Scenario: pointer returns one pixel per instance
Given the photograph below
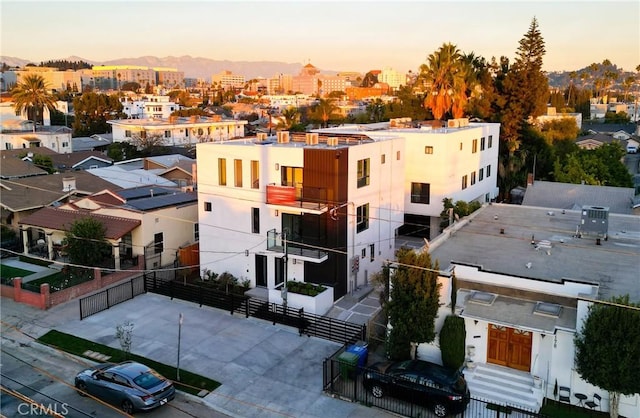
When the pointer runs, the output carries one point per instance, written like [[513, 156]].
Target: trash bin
[[361, 349], [348, 364]]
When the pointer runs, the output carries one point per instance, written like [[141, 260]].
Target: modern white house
[[525, 278], [148, 107], [177, 131], [313, 208], [459, 162]]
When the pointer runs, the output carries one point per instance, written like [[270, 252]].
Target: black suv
[[428, 384]]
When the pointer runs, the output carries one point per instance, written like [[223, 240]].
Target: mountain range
[[193, 67]]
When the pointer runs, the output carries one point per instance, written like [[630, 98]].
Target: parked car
[[131, 386], [421, 382]]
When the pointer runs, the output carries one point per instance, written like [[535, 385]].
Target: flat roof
[[497, 239]]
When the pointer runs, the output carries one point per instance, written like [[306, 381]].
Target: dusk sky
[[332, 35]]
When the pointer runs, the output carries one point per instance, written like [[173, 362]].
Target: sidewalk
[[265, 370]]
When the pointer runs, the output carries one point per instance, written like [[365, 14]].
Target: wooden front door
[[509, 347]]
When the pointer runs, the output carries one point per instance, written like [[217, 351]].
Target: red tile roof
[[62, 219]]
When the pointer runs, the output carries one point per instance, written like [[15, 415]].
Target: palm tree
[[444, 76], [324, 110], [291, 117], [32, 96]]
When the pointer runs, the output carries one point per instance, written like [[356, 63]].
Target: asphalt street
[[45, 376], [266, 370]]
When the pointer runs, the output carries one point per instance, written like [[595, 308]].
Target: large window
[[489, 170], [420, 193], [222, 171], [473, 178], [363, 172], [255, 174], [292, 177], [255, 220], [362, 216], [482, 143], [465, 180], [490, 143], [207, 206], [481, 174], [237, 173], [158, 243], [474, 146]]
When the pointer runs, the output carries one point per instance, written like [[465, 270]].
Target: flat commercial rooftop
[[497, 238]]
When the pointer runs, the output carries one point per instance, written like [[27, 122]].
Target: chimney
[[68, 184]]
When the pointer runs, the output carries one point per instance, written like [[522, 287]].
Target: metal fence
[[112, 296], [345, 381], [307, 324]]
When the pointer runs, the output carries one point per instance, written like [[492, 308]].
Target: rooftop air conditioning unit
[[283, 137], [453, 123], [311, 138], [261, 136]]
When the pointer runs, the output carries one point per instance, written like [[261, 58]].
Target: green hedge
[[452, 341]]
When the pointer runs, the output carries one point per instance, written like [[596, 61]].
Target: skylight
[[547, 309], [482, 298]]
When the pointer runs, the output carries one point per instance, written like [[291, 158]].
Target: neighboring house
[[91, 143], [459, 162], [177, 131], [56, 138], [20, 197], [80, 160], [129, 177], [175, 167], [552, 115], [12, 167], [144, 221], [44, 231], [574, 196], [276, 207], [525, 280], [596, 140], [148, 107]]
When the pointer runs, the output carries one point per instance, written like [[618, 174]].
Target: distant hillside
[[193, 67]]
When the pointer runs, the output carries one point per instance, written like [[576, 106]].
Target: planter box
[[318, 305]]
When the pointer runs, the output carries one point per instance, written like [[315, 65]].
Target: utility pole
[[181, 318]]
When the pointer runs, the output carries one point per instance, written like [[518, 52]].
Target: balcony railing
[[295, 248], [310, 198]]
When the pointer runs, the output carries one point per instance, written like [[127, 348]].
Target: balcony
[[291, 199], [296, 250]]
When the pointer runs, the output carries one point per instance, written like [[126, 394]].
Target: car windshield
[[148, 380]]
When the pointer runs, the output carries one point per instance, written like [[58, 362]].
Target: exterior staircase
[[504, 386]]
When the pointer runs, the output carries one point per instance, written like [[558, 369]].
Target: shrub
[[452, 341], [304, 288]]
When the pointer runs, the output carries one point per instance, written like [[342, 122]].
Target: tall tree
[[413, 302], [92, 111], [526, 93], [444, 75], [32, 96], [608, 349], [85, 242], [323, 111]]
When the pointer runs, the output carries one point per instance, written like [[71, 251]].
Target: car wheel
[[82, 388], [377, 391], [440, 410], [127, 406]]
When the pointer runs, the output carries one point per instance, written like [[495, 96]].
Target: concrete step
[[503, 386]]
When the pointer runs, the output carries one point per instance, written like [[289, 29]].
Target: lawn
[[189, 382], [8, 272]]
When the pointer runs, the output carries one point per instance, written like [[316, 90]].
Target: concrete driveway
[[265, 370]]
